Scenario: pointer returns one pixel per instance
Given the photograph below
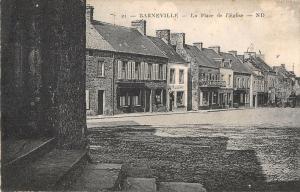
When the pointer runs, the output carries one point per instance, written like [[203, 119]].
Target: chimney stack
[[233, 52], [164, 34], [283, 66], [89, 12], [140, 25], [177, 39], [216, 49], [248, 55], [199, 45]]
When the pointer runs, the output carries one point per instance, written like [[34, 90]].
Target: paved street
[[230, 150]]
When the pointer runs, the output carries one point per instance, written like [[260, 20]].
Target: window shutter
[[156, 71], [146, 71], [129, 70], [153, 71], [133, 70], [164, 72], [87, 99], [142, 71], [119, 69]]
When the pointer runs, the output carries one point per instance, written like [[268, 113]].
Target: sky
[[276, 34]]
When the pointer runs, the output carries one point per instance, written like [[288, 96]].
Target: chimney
[[140, 25], [248, 55], [177, 39], [283, 66], [216, 49], [199, 45], [89, 12], [262, 56], [164, 34], [234, 53]]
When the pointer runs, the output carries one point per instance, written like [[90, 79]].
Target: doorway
[[100, 102]]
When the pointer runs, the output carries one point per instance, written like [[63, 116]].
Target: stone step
[[53, 171], [180, 187], [133, 184], [98, 177], [21, 152]]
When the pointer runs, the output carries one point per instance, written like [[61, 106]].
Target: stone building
[[43, 71], [126, 72], [224, 62], [204, 76], [285, 83], [270, 78], [242, 88], [177, 73]]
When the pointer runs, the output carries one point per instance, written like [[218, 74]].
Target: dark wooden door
[[100, 102]]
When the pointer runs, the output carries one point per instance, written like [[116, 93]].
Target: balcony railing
[[212, 83]]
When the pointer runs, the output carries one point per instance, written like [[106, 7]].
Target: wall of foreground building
[[43, 70]]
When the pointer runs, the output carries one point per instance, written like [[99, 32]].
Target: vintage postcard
[[150, 95]]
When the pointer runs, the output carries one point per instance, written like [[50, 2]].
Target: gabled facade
[[270, 78], [177, 72], [285, 83], [126, 71]]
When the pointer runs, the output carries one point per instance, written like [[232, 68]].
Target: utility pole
[[114, 15]]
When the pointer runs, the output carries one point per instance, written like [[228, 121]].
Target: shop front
[[177, 98]]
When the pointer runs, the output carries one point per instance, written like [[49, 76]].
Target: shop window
[[215, 97], [172, 76], [100, 69], [87, 99], [158, 96], [180, 99], [181, 76], [205, 98], [122, 100]]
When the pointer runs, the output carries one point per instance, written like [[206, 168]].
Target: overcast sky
[[276, 34]]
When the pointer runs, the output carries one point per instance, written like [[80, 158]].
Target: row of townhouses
[[128, 71]]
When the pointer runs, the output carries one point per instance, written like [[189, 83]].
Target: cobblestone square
[[253, 149]]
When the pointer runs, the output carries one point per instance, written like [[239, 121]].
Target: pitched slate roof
[[200, 57], [94, 40], [211, 54], [126, 39], [237, 65], [168, 50], [260, 64]]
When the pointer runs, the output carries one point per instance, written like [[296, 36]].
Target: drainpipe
[[113, 86]]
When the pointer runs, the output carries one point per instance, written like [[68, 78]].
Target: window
[[100, 69], [229, 79], [238, 82], [158, 96], [215, 97], [180, 99], [123, 70], [150, 71], [172, 76], [87, 99], [160, 71], [122, 100], [137, 71], [205, 98], [181, 76]]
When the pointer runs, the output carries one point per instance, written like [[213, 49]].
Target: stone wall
[[44, 70], [95, 83]]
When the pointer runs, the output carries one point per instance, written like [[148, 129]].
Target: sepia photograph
[[150, 95]]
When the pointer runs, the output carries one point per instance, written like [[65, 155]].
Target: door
[[100, 102]]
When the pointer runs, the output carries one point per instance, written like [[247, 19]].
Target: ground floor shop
[[209, 98], [241, 98], [225, 98], [177, 98]]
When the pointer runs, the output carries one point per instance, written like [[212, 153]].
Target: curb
[[165, 113]]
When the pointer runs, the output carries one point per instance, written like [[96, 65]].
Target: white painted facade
[[177, 97]]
